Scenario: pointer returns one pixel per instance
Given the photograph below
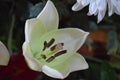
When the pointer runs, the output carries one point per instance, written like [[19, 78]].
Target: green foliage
[[107, 72], [116, 65], [113, 43]]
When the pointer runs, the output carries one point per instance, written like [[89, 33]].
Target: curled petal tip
[[52, 72]]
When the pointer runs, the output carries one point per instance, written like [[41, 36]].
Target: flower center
[[50, 51]]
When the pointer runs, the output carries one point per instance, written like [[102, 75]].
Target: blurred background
[[101, 49]]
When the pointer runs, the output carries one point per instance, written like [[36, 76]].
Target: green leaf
[[107, 72], [93, 73], [116, 65], [112, 44], [89, 43], [119, 47]]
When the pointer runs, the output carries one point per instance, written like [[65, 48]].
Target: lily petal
[[58, 68], [60, 74], [34, 28], [49, 16], [72, 38], [77, 62], [63, 65], [31, 61], [4, 54]]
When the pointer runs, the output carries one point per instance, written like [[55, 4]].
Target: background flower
[[98, 7], [4, 54]]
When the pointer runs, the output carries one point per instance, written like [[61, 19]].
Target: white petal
[[101, 4], [85, 2], [52, 72], [77, 6], [77, 62], [34, 28], [62, 69], [110, 8], [31, 61], [92, 8], [72, 38], [49, 16], [101, 15], [79, 1], [4, 54], [117, 11], [116, 4]]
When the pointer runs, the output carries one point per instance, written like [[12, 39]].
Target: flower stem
[[115, 56], [9, 42], [93, 59]]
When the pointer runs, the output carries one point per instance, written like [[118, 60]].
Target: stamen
[[50, 59], [50, 42], [43, 56], [57, 46], [60, 53], [56, 55], [45, 45], [53, 48]]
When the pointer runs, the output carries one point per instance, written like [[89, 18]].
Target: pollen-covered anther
[[48, 44], [50, 59], [60, 53], [43, 56], [56, 55], [57, 47], [45, 45]]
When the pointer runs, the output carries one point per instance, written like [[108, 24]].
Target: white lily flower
[[98, 7], [52, 50], [4, 54]]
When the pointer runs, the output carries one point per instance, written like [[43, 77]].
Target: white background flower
[[4, 54], [98, 7]]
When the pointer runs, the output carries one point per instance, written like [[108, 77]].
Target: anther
[[53, 48], [58, 46], [45, 45], [43, 56], [60, 53], [50, 42], [50, 59]]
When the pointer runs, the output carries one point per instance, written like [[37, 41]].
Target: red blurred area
[[17, 69]]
